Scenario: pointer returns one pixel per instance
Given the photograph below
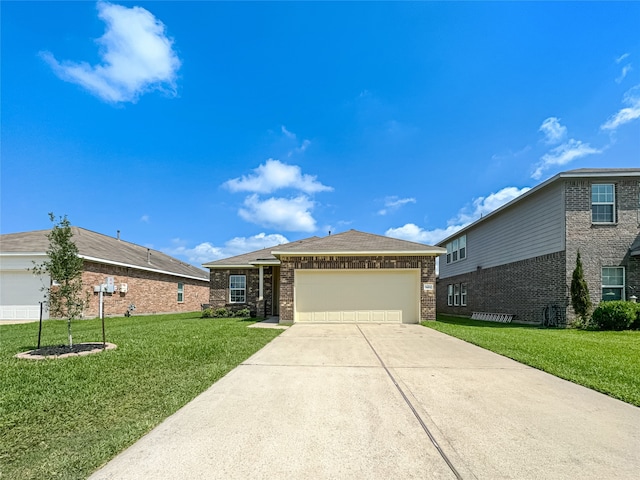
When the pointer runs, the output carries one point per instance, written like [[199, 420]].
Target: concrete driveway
[[388, 402]]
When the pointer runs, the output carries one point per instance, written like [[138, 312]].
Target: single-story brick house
[[151, 280], [348, 277]]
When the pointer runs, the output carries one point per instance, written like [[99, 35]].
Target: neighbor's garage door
[[381, 296], [20, 293]]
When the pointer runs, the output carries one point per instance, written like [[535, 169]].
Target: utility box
[[124, 288]]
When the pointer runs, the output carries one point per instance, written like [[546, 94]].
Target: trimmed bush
[[222, 313], [615, 315], [207, 313], [245, 313]]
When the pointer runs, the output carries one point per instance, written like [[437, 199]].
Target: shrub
[[615, 315], [245, 312], [207, 313], [222, 313]]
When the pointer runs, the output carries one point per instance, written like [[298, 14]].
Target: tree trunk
[[69, 330]]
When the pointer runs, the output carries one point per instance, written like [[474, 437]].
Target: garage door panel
[[357, 296]]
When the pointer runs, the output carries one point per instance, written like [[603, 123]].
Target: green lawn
[[605, 361], [64, 418]]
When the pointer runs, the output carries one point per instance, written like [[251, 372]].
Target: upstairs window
[[603, 203], [612, 283], [457, 249], [238, 288]]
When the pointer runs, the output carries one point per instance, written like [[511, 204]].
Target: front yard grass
[[608, 362], [64, 418]]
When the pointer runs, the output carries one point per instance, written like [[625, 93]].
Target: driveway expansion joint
[[414, 411]]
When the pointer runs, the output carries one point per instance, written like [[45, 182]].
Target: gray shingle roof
[[251, 257], [102, 248], [356, 242], [351, 242]]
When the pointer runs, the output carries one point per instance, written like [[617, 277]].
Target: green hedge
[[225, 313], [616, 315]]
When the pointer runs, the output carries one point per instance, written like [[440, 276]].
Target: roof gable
[[597, 173], [351, 242], [354, 242]]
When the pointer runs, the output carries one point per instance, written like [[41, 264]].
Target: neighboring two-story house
[[520, 258]]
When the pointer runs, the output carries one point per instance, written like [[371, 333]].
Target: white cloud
[[289, 214], [145, 218], [292, 136], [414, 233], [481, 206], [275, 175], [553, 131], [287, 133], [393, 203], [622, 57], [627, 114], [206, 252], [625, 70], [563, 154], [137, 57]]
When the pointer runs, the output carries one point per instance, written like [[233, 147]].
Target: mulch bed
[[65, 351]]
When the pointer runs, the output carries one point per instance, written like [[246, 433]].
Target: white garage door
[[20, 293], [380, 296]]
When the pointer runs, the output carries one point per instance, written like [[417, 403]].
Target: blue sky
[[208, 129]]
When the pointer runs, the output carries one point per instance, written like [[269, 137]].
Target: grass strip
[[62, 419], [608, 362]]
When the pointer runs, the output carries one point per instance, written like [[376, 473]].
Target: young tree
[[580, 292], [64, 296]]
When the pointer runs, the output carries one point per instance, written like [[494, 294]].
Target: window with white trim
[[450, 294], [603, 203], [457, 249], [463, 294], [456, 295], [180, 292], [612, 283], [237, 288]]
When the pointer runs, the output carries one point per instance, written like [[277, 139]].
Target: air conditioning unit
[[124, 288]]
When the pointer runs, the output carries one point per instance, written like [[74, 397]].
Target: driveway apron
[[387, 401]]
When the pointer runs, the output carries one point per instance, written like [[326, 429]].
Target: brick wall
[[290, 264], [150, 292], [521, 288], [602, 245], [219, 292]]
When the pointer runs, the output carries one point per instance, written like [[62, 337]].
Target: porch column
[[261, 287]]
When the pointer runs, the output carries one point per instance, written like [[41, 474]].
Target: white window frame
[[237, 292], [599, 202], [180, 292], [456, 295], [450, 295], [622, 286], [457, 249], [463, 294]]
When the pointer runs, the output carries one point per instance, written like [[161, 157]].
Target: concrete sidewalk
[[383, 401]]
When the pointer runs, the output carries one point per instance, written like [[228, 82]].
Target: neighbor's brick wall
[[150, 292], [602, 245], [521, 288], [219, 292], [288, 266]]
